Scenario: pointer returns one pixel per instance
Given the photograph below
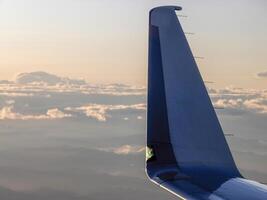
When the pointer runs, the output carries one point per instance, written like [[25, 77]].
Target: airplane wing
[[187, 153]]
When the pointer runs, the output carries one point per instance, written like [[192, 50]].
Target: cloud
[[16, 94], [124, 150], [6, 82], [8, 113], [228, 103], [45, 78], [259, 105], [34, 83], [100, 112], [128, 149], [234, 100], [41, 91], [56, 114], [94, 111], [78, 138], [262, 74], [114, 90], [100, 101], [10, 102]]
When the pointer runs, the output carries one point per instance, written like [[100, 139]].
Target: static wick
[[182, 16], [219, 108], [189, 33], [198, 57], [209, 82]]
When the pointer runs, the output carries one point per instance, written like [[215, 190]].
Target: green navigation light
[[149, 153]]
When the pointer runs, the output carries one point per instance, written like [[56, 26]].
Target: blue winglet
[[187, 152]]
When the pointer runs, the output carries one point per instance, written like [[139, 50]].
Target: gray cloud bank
[[45, 78], [262, 74]]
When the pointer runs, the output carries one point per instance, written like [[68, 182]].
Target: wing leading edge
[[187, 153]]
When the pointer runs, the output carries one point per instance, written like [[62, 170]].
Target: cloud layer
[[7, 113], [101, 112], [239, 100], [97, 132], [42, 96]]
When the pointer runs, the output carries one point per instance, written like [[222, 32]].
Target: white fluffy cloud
[[128, 149], [16, 94], [100, 112], [239, 99], [259, 105], [7, 112], [56, 114], [124, 150]]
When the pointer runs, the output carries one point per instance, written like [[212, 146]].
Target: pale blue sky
[[106, 41]]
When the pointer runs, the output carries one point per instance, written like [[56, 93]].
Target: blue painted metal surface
[[187, 153]]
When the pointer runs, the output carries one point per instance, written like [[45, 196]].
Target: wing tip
[[170, 7]]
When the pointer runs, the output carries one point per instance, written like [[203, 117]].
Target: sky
[[73, 92], [106, 41]]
